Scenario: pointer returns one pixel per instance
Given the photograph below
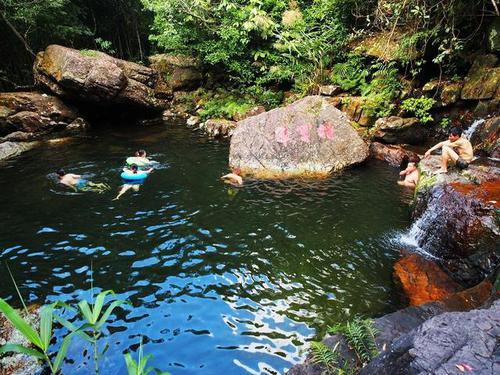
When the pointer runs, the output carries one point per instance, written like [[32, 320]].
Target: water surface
[[221, 279]]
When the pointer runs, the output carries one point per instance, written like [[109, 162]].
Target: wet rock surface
[[456, 219], [423, 280], [395, 155], [92, 76], [11, 149], [486, 138], [309, 137]]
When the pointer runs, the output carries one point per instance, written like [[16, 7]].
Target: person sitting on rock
[[78, 183], [411, 173], [456, 150], [233, 178]]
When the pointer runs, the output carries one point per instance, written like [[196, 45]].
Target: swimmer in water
[[233, 178], [411, 173], [134, 186], [78, 183]]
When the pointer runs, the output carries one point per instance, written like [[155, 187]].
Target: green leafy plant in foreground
[[94, 318], [360, 334], [40, 340], [139, 367]]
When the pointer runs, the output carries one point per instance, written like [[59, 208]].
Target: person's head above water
[[237, 171], [141, 153], [134, 168], [60, 172], [454, 134]]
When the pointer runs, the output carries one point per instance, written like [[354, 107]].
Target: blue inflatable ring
[[134, 176]]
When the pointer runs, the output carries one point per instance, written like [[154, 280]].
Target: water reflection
[[220, 280]]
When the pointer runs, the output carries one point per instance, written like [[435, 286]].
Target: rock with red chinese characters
[[309, 137]]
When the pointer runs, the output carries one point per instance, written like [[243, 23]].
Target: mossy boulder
[[397, 130], [354, 108], [181, 72], [486, 138], [97, 78], [483, 80], [385, 45]]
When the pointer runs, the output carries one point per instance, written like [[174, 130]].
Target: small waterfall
[[471, 129], [423, 235]]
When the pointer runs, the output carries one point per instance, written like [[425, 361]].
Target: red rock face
[[422, 280], [488, 192]]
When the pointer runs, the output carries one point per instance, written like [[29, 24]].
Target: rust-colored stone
[[487, 192], [422, 280]]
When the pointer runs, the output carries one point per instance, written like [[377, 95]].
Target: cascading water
[[471, 129]]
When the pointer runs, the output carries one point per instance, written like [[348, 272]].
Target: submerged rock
[[422, 280], [95, 77], [33, 112], [308, 137]]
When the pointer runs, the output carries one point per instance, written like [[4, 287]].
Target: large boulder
[[308, 137], [483, 79], [181, 72], [33, 112], [423, 280], [486, 137], [218, 127], [449, 343], [95, 77], [397, 130], [456, 219]]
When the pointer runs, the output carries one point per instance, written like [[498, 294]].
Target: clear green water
[[221, 280]]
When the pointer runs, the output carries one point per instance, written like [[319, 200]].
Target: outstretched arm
[[123, 190], [435, 147]]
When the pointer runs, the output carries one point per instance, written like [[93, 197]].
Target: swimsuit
[[81, 183]]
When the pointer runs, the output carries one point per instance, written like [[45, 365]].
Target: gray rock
[[443, 342], [193, 121], [33, 112], [218, 127], [486, 138], [180, 72], [11, 149], [309, 137], [397, 130], [329, 90], [95, 77]]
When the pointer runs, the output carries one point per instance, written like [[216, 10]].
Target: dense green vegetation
[[266, 45]]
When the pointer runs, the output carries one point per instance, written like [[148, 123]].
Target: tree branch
[[17, 34]]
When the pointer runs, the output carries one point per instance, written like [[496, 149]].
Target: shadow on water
[[222, 279]]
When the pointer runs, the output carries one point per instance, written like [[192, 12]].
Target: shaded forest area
[[268, 43], [118, 27]]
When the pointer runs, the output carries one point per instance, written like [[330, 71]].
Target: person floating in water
[[134, 184], [456, 150], [78, 183], [233, 178], [140, 159], [411, 173]]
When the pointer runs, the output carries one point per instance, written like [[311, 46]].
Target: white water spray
[[471, 129]]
